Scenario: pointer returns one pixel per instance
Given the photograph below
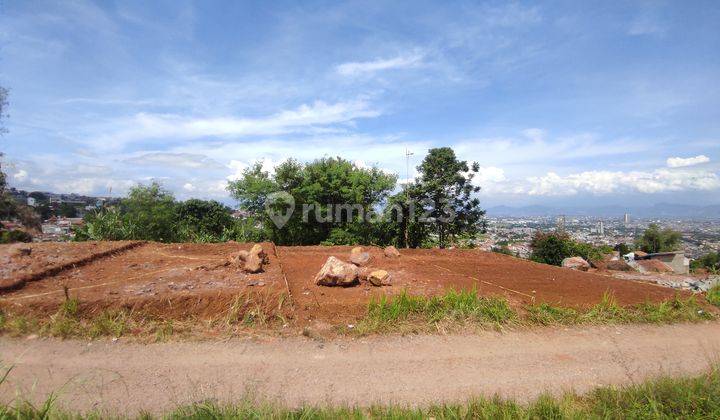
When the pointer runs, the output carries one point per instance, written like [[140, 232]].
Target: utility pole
[[408, 153]]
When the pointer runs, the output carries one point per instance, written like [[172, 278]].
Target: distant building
[[31, 202]]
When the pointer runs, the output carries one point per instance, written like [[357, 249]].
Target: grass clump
[[713, 295], [463, 306], [408, 313], [108, 323], [608, 311]]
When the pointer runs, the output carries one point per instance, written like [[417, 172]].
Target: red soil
[[177, 281]]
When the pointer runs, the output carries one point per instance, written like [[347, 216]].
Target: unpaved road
[[415, 370]]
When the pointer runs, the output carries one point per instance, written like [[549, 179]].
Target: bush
[[656, 240], [709, 262], [553, 247], [12, 236]]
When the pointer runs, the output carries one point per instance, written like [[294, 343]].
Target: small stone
[[378, 277], [391, 252], [359, 257]]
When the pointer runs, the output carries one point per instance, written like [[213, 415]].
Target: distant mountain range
[[662, 210]]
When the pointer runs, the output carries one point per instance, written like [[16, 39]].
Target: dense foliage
[[151, 213], [655, 239], [334, 200], [337, 202], [553, 247], [444, 193], [709, 262]]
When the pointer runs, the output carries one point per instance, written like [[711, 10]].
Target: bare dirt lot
[[172, 281], [176, 281]]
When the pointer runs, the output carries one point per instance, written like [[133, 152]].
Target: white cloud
[[189, 187], [608, 182], [184, 160], [320, 116], [363, 67], [678, 162], [488, 175], [20, 175]]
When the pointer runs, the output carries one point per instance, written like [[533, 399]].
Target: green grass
[[460, 307], [713, 295], [663, 398], [608, 311], [408, 313]]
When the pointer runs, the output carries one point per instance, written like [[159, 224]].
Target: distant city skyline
[[561, 104]]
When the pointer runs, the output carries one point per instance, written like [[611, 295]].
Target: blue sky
[[576, 103]]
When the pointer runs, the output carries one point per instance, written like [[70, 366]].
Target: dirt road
[[409, 370]]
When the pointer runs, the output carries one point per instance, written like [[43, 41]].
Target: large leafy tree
[[152, 210], [446, 194], [655, 239], [204, 217], [331, 197]]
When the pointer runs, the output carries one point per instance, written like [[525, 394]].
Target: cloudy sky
[[574, 103]]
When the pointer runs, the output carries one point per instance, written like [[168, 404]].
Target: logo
[[280, 206]]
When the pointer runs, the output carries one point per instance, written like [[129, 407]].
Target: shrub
[[12, 236]]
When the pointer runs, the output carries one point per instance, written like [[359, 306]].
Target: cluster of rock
[[336, 272], [251, 261]]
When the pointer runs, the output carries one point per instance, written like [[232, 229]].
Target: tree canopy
[[655, 239], [445, 193], [333, 199]]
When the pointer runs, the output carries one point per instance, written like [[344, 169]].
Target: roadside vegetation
[[247, 313], [406, 313], [713, 295], [661, 398]]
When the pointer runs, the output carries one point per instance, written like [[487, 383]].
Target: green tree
[[153, 212], [204, 217], [550, 247], [67, 210], [332, 196], [655, 239], [445, 192]]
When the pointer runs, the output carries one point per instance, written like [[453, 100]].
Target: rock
[[239, 257], [253, 263], [391, 252], [337, 273], [378, 277], [359, 257], [640, 254], [618, 265], [257, 249], [576, 263], [254, 259]]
